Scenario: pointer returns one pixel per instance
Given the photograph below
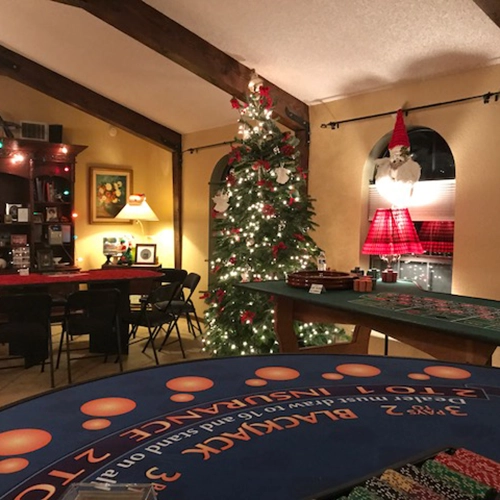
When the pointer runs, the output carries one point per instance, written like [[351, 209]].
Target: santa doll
[[395, 176]]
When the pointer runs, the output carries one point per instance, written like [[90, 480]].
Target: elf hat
[[399, 134]]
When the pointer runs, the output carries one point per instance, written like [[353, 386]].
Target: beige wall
[[197, 171], [339, 171], [152, 169]]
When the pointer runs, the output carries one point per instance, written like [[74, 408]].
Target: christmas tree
[[263, 217]]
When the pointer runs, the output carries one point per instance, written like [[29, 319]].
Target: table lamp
[[138, 210], [436, 236], [391, 234]]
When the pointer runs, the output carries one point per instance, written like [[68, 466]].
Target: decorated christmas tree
[[262, 220]]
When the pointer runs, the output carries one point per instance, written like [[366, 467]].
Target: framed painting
[[110, 188]]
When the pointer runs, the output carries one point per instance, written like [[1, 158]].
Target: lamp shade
[[137, 208], [437, 236], [392, 233]]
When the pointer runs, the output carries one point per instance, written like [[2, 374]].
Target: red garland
[[299, 236], [204, 296], [232, 260], [291, 201], [277, 248], [247, 316], [230, 180], [235, 103], [214, 213]]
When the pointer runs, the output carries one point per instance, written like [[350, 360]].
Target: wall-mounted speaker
[[55, 133]]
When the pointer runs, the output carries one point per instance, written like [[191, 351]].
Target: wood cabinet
[[36, 204]]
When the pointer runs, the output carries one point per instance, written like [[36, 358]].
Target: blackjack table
[[284, 426]]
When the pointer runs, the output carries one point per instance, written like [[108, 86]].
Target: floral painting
[[110, 188]]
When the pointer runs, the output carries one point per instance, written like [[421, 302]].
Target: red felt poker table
[[274, 427]]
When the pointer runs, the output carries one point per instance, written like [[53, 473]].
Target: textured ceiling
[[317, 50]]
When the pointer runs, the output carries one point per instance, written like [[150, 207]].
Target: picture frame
[[51, 214], [145, 253], [109, 189], [37, 217], [45, 259], [12, 209], [18, 240]]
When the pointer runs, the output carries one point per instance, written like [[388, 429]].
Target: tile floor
[[18, 383]]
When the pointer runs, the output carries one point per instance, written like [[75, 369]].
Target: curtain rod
[[485, 97], [195, 150]]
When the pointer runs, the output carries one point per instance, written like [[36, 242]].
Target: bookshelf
[[36, 204]]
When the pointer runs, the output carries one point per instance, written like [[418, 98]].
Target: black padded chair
[[94, 313], [184, 306], [25, 327], [153, 315]]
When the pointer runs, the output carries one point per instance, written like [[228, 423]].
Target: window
[[431, 209]]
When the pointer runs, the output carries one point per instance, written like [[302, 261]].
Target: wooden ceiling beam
[[163, 35], [491, 8], [63, 89]]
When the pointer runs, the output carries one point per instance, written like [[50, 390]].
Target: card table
[[272, 427]]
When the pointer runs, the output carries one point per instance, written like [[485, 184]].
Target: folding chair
[[153, 315], [95, 313], [185, 307]]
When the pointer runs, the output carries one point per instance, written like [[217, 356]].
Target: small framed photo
[[22, 214], [18, 240], [45, 259], [12, 209], [145, 253], [51, 214], [37, 217]]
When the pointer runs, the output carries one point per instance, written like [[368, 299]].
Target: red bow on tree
[[247, 316], [220, 294], [277, 248], [235, 155], [268, 210]]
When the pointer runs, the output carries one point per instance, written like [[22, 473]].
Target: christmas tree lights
[[262, 220]]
